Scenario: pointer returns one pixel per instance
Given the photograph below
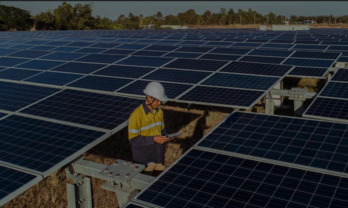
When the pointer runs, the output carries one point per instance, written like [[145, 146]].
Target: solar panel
[[161, 48], [335, 90], [63, 56], [241, 81], [133, 205], [182, 55], [316, 55], [279, 53], [341, 75], [101, 58], [16, 96], [91, 109], [308, 71], [104, 45], [6, 61], [118, 51], [241, 51], [14, 182], [177, 76], [83, 68], [309, 47], [43, 48], [337, 48], [193, 49], [145, 61], [300, 141], [80, 44], [30, 54], [69, 49], [222, 96], [17, 74], [262, 59], [256, 68], [6, 51], [40, 64], [124, 71], [89, 50], [58, 43], [309, 62], [220, 57], [252, 45], [205, 65], [53, 78], [172, 90], [131, 46], [100, 83], [328, 108], [149, 53], [204, 179]]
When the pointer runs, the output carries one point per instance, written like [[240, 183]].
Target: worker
[[147, 132]]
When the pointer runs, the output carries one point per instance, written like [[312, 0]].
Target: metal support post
[[298, 96], [80, 194], [269, 108]]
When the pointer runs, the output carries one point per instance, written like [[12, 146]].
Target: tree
[[12, 18], [45, 20]]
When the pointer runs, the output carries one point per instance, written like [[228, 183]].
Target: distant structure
[[175, 27], [284, 27], [309, 22]]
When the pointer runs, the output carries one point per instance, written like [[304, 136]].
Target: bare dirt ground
[[196, 122]]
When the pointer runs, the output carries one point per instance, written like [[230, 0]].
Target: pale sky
[[112, 9]]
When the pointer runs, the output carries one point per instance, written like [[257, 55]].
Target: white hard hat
[[156, 90]]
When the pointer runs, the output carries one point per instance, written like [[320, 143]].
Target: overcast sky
[[112, 9]]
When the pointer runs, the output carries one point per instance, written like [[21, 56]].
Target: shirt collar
[[146, 109]]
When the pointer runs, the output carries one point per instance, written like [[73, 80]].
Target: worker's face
[[155, 103]]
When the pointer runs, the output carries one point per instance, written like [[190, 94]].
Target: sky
[[113, 9]]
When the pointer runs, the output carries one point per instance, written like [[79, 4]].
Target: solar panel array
[[255, 160], [63, 92]]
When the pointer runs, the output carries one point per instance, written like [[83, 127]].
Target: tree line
[[79, 17]]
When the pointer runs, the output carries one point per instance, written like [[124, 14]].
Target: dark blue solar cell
[[191, 42], [172, 90], [337, 48], [193, 49], [161, 48], [252, 45], [63, 56], [124, 71], [100, 83], [84, 68], [341, 75], [145, 61], [177, 76], [80, 44], [274, 45], [270, 53], [316, 55], [65, 49], [30, 54], [58, 43], [149, 53], [216, 43], [118, 51], [222, 96], [86, 108], [308, 71], [104, 45], [14, 182], [342, 59], [41, 145], [131, 46], [220, 57], [205, 65], [37, 42], [6, 51], [90, 50], [54, 78], [262, 59], [101, 58], [40, 64], [230, 50], [2, 115], [43, 48], [309, 47], [256, 68], [16, 96], [17, 74], [5, 61], [182, 55], [21, 47], [328, 108], [241, 81], [309, 62]]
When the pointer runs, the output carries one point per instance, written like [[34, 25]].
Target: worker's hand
[[161, 139]]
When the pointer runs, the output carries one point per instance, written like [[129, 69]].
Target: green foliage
[[12, 18]]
